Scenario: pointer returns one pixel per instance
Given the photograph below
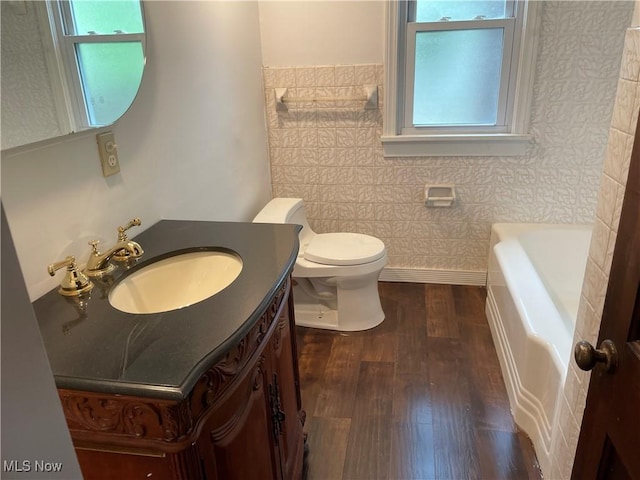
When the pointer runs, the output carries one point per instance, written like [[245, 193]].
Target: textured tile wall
[[330, 154], [605, 229], [28, 109]]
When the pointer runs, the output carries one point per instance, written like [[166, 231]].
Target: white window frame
[[401, 139]]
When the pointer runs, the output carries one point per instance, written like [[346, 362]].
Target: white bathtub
[[533, 289]]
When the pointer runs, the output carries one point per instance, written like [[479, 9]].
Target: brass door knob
[[587, 357]]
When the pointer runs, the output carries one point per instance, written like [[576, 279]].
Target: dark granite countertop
[[162, 355]]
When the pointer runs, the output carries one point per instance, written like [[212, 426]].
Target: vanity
[[209, 391]]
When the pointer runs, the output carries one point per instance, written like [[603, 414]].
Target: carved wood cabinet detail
[[242, 420]]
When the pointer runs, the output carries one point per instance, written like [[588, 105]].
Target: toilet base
[[358, 306], [316, 316]]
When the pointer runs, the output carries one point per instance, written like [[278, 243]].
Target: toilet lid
[[344, 249]]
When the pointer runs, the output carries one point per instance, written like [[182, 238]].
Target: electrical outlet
[[108, 153]]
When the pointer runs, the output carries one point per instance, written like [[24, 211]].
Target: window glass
[[121, 16], [110, 74], [457, 77], [434, 11]]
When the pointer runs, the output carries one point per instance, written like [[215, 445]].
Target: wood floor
[[419, 397]]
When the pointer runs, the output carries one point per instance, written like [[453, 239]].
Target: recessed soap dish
[[439, 195]]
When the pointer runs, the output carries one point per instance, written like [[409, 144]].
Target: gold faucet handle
[[74, 282], [94, 246], [67, 262], [135, 222]]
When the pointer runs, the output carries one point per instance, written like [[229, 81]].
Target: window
[[459, 76], [101, 48]]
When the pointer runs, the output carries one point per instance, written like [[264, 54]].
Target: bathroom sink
[[176, 282]]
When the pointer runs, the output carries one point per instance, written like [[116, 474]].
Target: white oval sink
[[176, 282]]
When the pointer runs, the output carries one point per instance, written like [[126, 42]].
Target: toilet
[[335, 275]]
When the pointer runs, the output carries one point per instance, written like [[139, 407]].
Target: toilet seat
[[344, 249]]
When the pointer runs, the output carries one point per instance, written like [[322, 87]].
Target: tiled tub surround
[[330, 154], [605, 230]]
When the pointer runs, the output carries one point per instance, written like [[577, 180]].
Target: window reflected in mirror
[[68, 66]]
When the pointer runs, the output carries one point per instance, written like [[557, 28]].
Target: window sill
[[479, 145]]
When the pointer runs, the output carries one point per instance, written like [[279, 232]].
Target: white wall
[[33, 425], [193, 146], [321, 32]]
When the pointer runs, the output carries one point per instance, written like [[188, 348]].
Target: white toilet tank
[[286, 210]]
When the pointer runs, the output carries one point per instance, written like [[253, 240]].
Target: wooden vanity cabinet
[[242, 420], [255, 432]]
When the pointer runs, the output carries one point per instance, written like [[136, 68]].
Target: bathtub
[[533, 290]]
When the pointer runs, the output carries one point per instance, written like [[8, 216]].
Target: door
[[609, 443], [236, 441], [286, 392]]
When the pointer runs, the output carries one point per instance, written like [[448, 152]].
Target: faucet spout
[[99, 263]]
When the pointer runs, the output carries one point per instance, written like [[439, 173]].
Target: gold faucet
[[74, 282], [125, 255], [99, 263]]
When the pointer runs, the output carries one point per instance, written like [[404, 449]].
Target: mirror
[[67, 66]]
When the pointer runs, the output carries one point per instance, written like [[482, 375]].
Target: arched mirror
[[68, 65]]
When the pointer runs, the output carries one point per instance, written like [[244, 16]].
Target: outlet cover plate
[[108, 153]]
